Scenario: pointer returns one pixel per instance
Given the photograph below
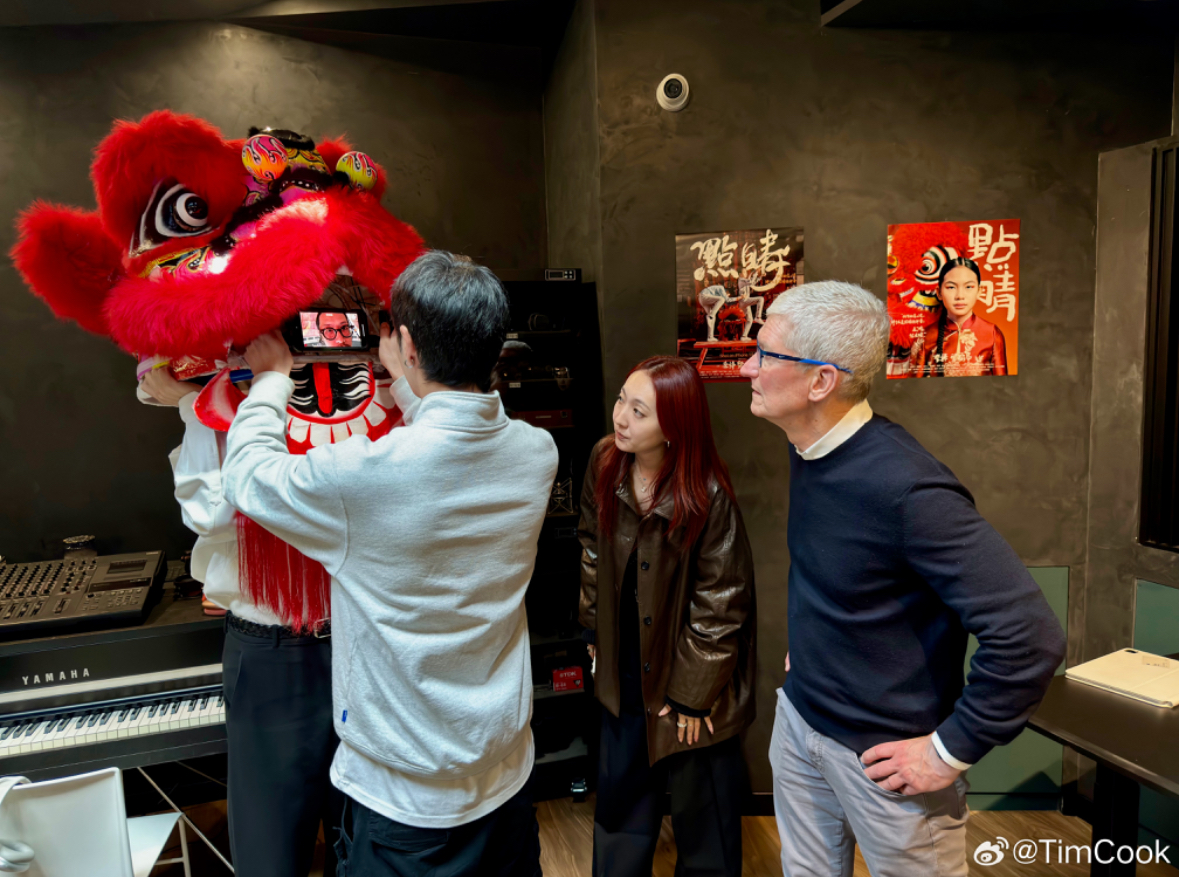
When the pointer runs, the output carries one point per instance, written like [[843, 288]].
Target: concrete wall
[[464, 157], [844, 132]]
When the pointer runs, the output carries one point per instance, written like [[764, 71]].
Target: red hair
[[691, 463]]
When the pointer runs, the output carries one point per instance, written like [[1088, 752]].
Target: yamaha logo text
[[60, 676]]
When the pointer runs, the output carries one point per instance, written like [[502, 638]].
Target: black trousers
[[504, 843], [707, 787], [278, 698]]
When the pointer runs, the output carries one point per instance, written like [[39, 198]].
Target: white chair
[[78, 827]]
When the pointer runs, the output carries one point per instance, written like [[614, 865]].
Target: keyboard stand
[[183, 840]]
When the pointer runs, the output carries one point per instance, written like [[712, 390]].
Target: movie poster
[[953, 299], [725, 281]]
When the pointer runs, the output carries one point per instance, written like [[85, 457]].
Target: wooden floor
[[566, 843]]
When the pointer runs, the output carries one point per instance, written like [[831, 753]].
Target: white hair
[[840, 323]]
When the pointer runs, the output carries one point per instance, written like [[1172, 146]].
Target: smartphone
[[322, 331]]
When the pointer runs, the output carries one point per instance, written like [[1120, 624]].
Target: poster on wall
[[725, 281], [953, 299]]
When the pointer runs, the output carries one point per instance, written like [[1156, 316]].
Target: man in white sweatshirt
[[430, 536]]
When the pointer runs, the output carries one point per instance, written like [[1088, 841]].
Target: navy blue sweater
[[890, 566]]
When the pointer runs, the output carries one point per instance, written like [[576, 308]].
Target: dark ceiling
[[478, 33], [492, 38]]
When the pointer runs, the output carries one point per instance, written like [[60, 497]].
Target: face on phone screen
[[324, 330]]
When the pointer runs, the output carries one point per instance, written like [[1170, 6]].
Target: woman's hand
[[687, 724], [165, 389], [593, 652], [390, 353]]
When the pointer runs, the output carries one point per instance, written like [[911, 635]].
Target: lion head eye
[[932, 263], [181, 213], [173, 211]]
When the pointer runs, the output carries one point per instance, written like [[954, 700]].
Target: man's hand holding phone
[[269, 353]]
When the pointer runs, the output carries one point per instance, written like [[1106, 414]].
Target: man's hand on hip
[[270, 353], [909, 767]]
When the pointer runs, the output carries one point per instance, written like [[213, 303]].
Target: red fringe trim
[[273, 574]]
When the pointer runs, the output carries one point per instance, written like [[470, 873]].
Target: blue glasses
[[762, 353]]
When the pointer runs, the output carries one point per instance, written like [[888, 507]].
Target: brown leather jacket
[[698, 611]]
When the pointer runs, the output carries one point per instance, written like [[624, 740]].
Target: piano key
[[26, 740], [88, 733], [75, 730], [182, 718], [136, 715], [207, 711], [187, 716], [57, 734], [12, 743], [160, 719], [90, 728], [106, 730], [32, 738], [138, 725], [50, 738], [45, 736]]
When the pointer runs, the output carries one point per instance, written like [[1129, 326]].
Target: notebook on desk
[[1133, 673]]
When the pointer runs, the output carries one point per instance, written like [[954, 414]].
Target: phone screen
[[328, 330]]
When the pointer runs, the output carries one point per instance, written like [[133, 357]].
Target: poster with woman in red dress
[[953, 299]]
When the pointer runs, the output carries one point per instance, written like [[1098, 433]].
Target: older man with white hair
[[891, 566]]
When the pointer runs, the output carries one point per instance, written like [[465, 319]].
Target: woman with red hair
[[667, 601]]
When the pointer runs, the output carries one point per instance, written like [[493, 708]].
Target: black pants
[[504, 843], [707, 787], [278, 698]]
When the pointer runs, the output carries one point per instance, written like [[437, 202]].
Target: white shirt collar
[[860, 414]]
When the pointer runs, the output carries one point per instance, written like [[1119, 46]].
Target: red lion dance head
[[201, 244]]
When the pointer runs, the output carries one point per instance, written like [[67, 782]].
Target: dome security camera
[[672, 93]]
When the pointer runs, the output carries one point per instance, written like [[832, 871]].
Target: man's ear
[[406, 345], [823, 383]]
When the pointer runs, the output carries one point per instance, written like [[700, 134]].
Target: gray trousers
[[825, 804]]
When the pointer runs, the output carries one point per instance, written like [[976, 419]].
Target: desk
[[1133, 744]]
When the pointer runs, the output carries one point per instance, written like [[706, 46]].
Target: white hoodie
[[429, 534]]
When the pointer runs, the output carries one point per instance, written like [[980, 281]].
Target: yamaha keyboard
[[131, 697]]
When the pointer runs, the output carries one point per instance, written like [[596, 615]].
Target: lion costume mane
[[201, 244]]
